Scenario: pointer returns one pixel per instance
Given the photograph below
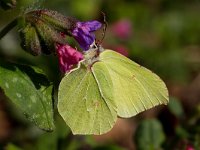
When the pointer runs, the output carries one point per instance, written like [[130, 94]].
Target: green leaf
[[135, 88], [29, 91], [83, 102], [149, 135], [175, 107], [11, 146]]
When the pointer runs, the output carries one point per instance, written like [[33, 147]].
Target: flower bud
[[47, 28], [58, 21], [8, 4], [30, 40], [48, 37]]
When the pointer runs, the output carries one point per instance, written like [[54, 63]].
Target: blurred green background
[[162, 35]]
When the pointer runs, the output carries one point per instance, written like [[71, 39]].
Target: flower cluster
[[83, 34]]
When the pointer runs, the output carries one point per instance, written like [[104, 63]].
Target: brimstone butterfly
[[107, 85]]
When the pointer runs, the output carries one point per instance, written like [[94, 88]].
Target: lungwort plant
[[98, 84]]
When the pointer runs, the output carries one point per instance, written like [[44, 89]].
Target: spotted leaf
[[30, 91]]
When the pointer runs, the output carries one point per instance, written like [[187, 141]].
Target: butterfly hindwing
[[81, 102]]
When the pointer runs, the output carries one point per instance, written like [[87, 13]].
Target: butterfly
[[104, 86]]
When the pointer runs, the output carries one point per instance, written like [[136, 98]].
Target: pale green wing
[[135, 88], [81, 102]]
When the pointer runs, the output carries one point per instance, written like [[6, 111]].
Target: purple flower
[[68, 57], [83, 33]]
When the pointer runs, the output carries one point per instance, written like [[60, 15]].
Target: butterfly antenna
[[105, 25]]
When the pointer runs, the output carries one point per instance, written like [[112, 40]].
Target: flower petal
[[92, 25], [68, 57], [84, 39], [83, 33]]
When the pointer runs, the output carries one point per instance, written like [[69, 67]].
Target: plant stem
[[6, 29]]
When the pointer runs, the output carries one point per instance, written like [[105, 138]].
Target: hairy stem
[[7, 28]]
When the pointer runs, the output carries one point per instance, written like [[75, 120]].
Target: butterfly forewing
[[135, 88]]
